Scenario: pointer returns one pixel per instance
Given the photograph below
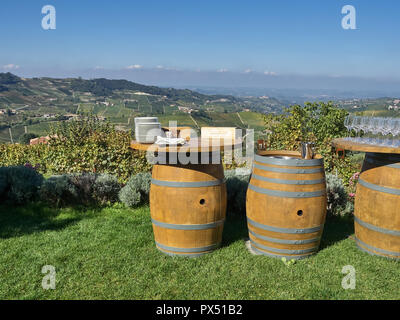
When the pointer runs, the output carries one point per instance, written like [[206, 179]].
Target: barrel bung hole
[[202, 201], [300, 213]]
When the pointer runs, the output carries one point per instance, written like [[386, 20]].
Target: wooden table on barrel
[[377, 203], [188, 196]]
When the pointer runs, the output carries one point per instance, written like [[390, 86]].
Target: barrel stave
[[185, 205]]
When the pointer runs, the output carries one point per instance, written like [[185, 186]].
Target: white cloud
[[222, 70], [134, 66], [248, 71], [98, 68], [270, 73], [11, 66]]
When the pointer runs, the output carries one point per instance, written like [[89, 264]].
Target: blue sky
[[152, 40]]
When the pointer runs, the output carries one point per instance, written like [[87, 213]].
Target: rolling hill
[[30, 104]]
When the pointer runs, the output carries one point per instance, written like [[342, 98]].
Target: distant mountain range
[[289, 96]]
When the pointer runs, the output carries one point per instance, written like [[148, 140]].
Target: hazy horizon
[[255, 84], [257, 44]]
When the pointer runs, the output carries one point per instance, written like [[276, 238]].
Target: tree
[[317, 122], [26, 138]]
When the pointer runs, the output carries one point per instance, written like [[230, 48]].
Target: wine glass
[[396, 132], [364, 126], [348, 124], [357, 127], [374, 127], [368, 129], [385, 130]]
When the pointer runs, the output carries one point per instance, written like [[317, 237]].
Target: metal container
[[145, 120], [147, 132], [307, 150]]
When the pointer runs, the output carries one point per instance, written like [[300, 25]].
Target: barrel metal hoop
[[180, 184], [283, 181], [283, 241], [285, 170], [280, 256], [190, 255], [188, 250], [375, 228], [284, 230], [287, 251], [367, 246], [379, 188], [188, 226], [287, 194], [289, 162]]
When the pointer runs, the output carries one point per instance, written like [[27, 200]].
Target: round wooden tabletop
[[193, 145], [345, 144]]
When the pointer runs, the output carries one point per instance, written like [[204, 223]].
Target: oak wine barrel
[[286, 204], [188, 208], [377, 206]]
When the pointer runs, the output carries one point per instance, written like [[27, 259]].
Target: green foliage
[[84, 184], [83, 145], [19, 184], [80, 189], [143, 182], [236, 186], [287, 262], [137, 190], [129, 196], [106, 188], [58, 191], [26, 137], [338, 200], [18, 155], [3, 181], [317, 122]]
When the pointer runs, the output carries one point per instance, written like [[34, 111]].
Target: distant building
[[40, 140], [49, 115], [185, 109], [71, 116], [142, 93]]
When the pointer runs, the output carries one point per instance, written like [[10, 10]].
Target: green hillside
[[32, 104]]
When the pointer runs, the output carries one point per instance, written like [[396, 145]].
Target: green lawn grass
[[110, 254]]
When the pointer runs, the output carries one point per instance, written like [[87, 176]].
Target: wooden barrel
[[377, 206], [188, 208], [286, 204]]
